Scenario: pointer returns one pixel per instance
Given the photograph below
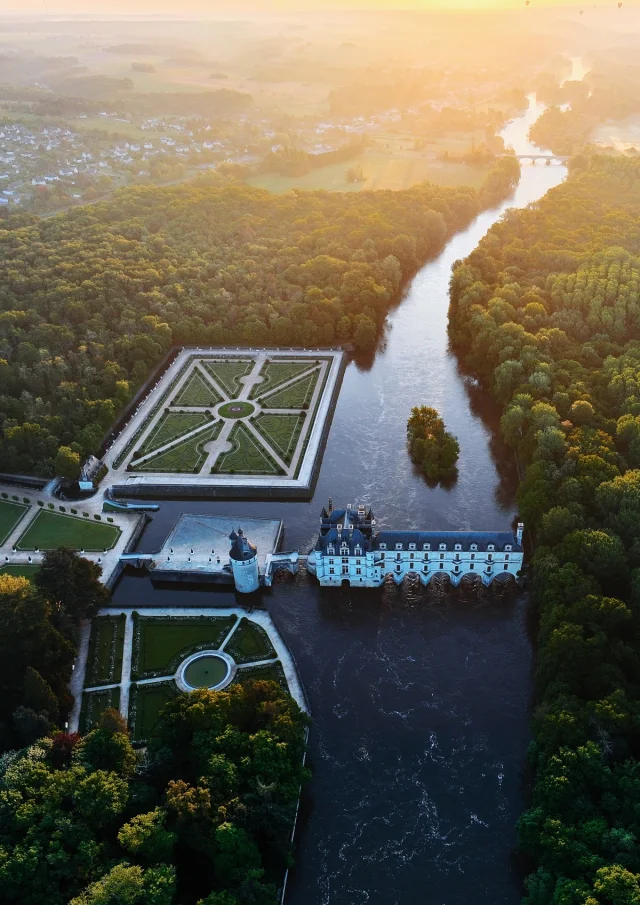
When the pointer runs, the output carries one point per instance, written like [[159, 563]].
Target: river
[[420, 699]]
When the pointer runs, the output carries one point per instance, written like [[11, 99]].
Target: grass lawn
[[270, 672], [275, 373], [294, 396], [249, 642], [171, 426], [237, 409], [50, 530], [227, 374], [94, 703], [382, 170], [27, 571], [164, 640], [281, 432], [148, 700], [10, 515], [247, 456], [188, 456], [197, 391], [104, 659]]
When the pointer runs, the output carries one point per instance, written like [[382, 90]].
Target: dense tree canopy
[[432, 448], [205, 815], [38, 643], [547, 311], [91, 300]]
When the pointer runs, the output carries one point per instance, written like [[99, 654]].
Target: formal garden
[[170, 654], [251, 414]]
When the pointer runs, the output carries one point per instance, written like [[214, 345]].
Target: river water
[[420, 698]]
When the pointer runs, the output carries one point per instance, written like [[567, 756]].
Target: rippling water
[[420, 699]]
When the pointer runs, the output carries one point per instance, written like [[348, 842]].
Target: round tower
[[244, 562]]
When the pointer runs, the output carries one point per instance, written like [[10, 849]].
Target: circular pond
[[236, 409], [207, 671]]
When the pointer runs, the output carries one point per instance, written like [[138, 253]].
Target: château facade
[[350, 551]]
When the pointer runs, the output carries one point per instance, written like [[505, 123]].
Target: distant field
[[382, 171], [621, 134]]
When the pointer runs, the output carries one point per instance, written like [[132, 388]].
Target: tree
[[131, 885], [38, 695], [146, 838], [67, 463], [433, 449], [72, 582]]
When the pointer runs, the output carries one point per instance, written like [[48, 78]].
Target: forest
[[38, 644], [90, 301], [204, 815], [546, 311]]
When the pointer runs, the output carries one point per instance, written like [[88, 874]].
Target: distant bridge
[[534, 157]]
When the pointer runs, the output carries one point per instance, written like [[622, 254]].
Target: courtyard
[[137, 661], [230, 418]]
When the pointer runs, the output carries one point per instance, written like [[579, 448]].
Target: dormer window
[[458, 546], [412, 546], [331, 550], [474, 546], [442, 547], [398, 546], [426, 546], [339, 527], [509, 548], [358, 550], [491, 547], [383, 546]]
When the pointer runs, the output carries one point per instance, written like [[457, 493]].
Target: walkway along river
[[420, 699]]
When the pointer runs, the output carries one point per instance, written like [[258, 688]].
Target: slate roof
[[482, 539], [242, 549]]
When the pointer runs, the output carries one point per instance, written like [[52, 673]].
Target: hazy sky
[[187, 7]]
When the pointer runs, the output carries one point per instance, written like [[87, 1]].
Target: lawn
[[270, 672], [238, 409], [294, 396], [249, 642], [27, 571], [10, 515], [187, 456], [281, 432], [94, 703], [50, 530], [197, 391], [104, 659], [163, 642], [246, 456], [275, 373], [227, 374], [171, 426], [382, 170], [146, 702]]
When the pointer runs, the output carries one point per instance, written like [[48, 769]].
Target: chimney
[[520, 533], [330, 505]]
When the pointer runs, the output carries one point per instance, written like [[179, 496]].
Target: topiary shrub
[[85, 514], [5, 496], [109, 519], [62, 509], [13, 497], [26, 500], [50, 506], [40, 503], [74, 511], [98, 518]]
